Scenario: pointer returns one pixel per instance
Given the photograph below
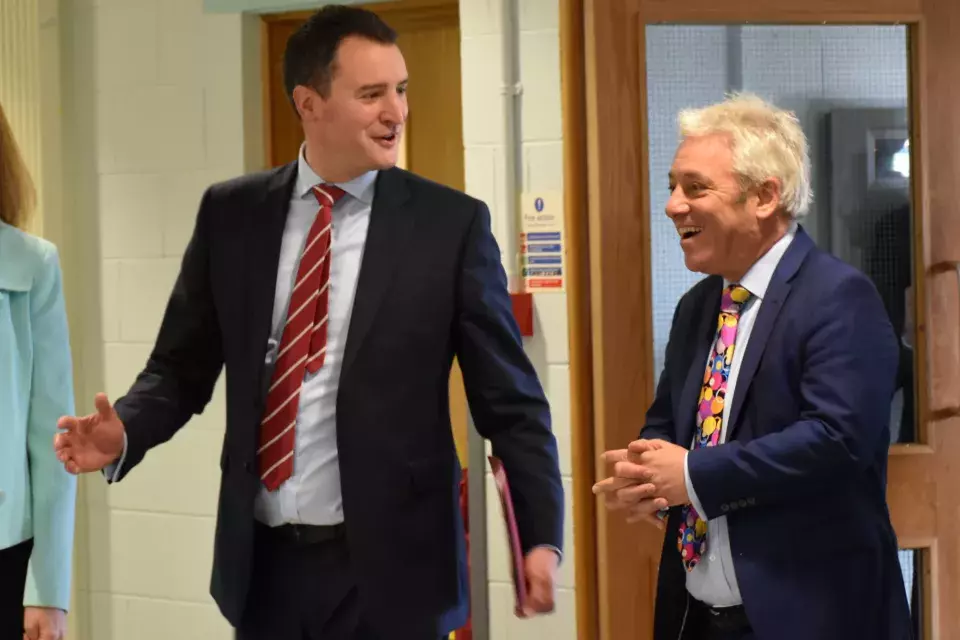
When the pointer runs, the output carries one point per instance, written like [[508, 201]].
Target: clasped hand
[[648, 476]]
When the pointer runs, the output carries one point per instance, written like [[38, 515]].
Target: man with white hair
[[764, 454]]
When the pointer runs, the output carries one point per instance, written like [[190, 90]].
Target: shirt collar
[[758, 277], [361, 187]]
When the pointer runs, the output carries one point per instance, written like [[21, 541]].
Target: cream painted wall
[[482, 27], [159, 100]]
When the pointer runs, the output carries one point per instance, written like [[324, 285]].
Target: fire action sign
[[542, 241]]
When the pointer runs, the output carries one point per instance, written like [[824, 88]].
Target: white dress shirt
[[312, 494], [714, 580]]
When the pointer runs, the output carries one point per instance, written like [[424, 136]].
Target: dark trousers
[[701, 624], [303, 589], [13, 576]]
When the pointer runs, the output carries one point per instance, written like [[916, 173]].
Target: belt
[[724, 618], [303, 534]]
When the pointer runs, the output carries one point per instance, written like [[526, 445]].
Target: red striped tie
[[302, 346]]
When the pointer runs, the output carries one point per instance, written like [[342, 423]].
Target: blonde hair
[[767, 142], [17, 194]]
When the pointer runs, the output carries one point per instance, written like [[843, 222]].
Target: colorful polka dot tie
[[692, 541]]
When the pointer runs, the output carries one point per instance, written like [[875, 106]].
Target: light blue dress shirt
[[714, 580], [312, 494]]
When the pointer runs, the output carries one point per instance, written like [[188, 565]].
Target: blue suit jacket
[[802, 477], [36, 388]]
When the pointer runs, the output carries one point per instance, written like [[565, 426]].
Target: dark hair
[[310, 55]]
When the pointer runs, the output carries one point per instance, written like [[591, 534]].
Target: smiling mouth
[[688, 232], [390, 137]]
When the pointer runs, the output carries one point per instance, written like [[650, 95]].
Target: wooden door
[[429, 36], [924, 474]]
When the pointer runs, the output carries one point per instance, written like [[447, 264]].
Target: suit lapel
[[703, 338], [390, 232], [264, 238], [777, 292]]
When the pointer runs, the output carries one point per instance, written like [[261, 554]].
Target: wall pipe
[[511, 91]]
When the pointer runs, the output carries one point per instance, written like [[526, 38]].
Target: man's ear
[[768, 198], [307, 102]]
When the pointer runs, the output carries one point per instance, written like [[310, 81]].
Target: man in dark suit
[[336, 292], [764, 453]]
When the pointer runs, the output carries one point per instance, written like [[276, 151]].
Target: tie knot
[[328, 194], [734, 297]]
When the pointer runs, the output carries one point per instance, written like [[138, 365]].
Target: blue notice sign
[[543, 248], [544, 260], [544, 237]]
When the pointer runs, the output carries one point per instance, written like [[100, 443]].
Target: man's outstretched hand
[[91, 442]]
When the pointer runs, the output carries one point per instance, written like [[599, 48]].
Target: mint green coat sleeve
[[51, 396]]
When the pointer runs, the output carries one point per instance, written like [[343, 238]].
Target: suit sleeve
[[505, 397], [186, 360], [850, 362], [53, 490]]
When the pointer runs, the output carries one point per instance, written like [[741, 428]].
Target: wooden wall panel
[[923, 477], [941, 82], [943, 324], [944, 595]]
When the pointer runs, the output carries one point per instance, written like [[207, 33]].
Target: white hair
[[767, 142]]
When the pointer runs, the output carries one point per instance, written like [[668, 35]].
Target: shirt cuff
[[552, 548], [112, 471], [690, 491]]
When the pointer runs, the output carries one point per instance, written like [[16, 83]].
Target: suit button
[[751, 501], [724, 508], [743, 503]]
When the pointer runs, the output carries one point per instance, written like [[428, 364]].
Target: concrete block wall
[[482, 26], [156, 89], [161, 99]]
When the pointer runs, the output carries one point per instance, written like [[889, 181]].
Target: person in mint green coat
[[37, 496]]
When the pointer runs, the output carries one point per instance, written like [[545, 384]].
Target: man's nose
[[395, 111], [677, 203]]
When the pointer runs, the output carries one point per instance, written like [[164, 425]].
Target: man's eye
[[401, 90]]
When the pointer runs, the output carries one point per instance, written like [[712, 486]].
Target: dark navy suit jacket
[[431, 287], [802, 477]]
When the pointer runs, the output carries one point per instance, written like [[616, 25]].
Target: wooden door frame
[[573, 98], [605, 140]]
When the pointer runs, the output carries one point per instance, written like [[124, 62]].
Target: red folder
[[513, 535]]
